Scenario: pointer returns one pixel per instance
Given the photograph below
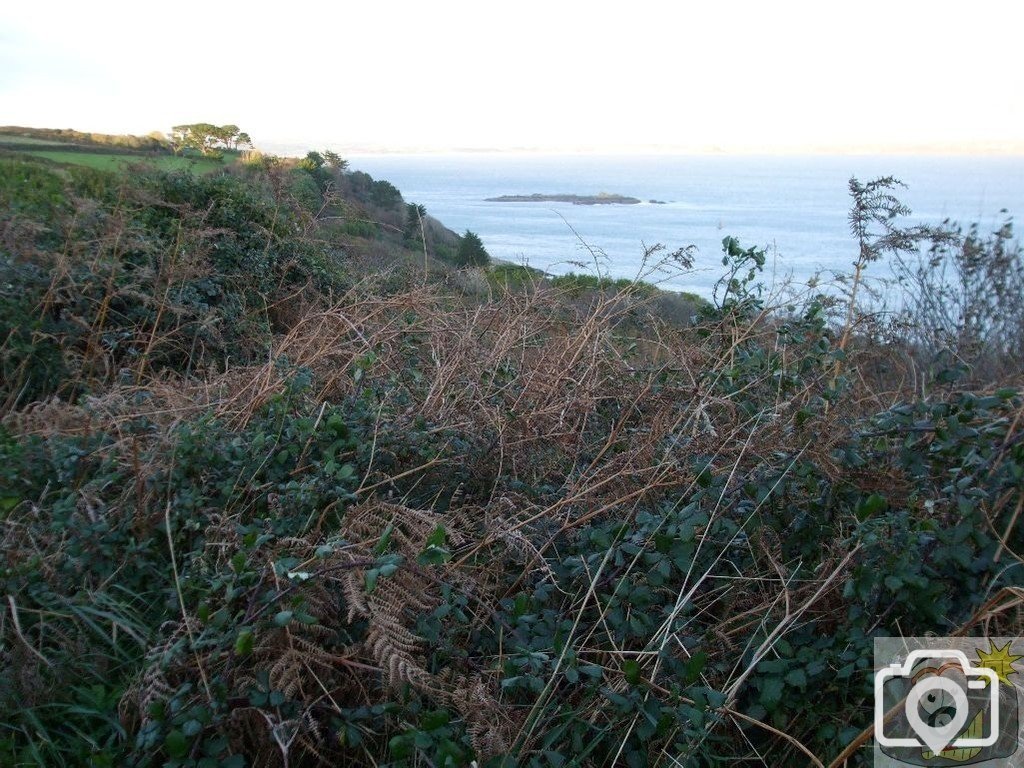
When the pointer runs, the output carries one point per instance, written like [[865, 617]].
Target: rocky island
[[602, 198]]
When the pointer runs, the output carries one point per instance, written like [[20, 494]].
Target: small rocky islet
[[602, 198]]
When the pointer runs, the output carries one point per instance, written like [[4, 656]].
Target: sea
[[795, 207]]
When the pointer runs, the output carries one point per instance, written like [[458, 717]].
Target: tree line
[[207, 138]]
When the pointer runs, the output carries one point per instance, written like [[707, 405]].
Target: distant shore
[[602, 198]]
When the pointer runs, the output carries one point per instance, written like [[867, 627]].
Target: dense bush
[[173, 272], [405, 528], [577, 284]]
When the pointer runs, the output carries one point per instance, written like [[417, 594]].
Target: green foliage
[[102, 161], [513, 276], [305, 187], [414, 224], [359, 228], [738, 292], [334, 160], [384, 194], [313, 161], [206, 137], [471, 251], [379, 193], [578, 284], [30, 189]]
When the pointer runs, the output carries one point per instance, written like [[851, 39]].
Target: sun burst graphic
[[1000, 661]]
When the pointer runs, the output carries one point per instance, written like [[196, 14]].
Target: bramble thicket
[[282, 486]]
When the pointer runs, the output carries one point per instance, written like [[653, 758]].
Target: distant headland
[[602, 198]]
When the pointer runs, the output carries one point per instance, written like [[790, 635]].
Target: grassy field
[[111, 162]]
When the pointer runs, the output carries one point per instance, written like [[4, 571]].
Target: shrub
[[471, 251], [578, 284], [513, 276], [171, 274], [384, 194]]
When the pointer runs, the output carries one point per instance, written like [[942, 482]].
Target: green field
[[110, 162]]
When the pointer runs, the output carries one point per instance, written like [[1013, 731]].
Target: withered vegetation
[[279, 487]]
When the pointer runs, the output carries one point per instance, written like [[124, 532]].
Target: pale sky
[[558, 75]]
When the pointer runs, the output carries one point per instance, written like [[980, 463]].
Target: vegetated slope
[[108, 152], [275, 493]]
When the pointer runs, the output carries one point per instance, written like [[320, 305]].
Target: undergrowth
[[261, 508]]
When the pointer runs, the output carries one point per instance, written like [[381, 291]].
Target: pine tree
[[471, 251]]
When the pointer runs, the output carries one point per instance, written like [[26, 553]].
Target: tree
[[335, 160], [206, 137], [414, 215], [471, 252], [384, 194], [312, 162], [197, 136], [228, 135]]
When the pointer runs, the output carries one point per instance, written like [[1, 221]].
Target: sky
[[558, 75]]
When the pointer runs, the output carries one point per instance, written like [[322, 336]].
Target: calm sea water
[[795, 206]]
